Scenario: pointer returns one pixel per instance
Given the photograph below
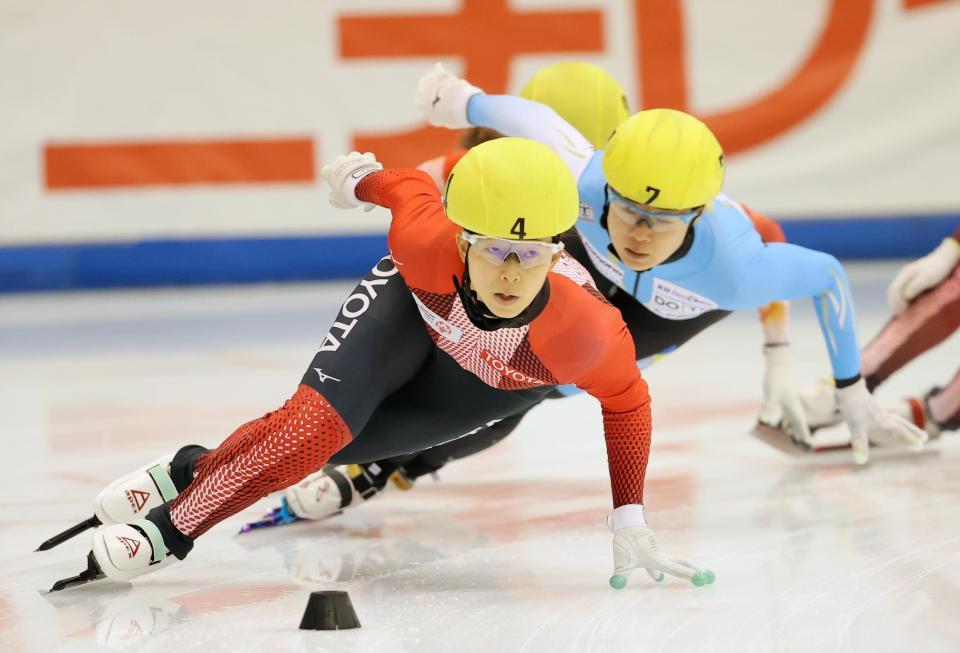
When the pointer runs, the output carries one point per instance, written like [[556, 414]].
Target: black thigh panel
[[442, 402], [377, 343]]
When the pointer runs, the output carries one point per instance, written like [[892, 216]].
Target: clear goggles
[[530, 253], [633, 214]]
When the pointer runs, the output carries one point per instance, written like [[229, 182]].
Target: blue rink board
[[248, 260]]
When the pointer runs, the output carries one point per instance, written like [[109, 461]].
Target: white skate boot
[[131, 496], [327, 492], [330, 491], [121, 552], [820, 405], [916, 410], [126, 499], [125, 551]]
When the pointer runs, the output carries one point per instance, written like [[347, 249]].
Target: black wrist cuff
[[846, 383]]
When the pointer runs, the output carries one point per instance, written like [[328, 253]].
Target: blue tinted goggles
[[633, 214]]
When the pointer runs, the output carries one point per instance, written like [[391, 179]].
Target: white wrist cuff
[[631, 515]]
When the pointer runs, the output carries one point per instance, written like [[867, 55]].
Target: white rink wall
[[116, 119]]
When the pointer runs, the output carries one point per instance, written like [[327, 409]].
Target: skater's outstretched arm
[[781, 271]]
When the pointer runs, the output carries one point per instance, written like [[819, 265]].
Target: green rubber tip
[[699, 579], [710, 576], [618, 582], [660, 578]]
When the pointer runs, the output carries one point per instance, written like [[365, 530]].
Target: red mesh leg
[[262, 456]]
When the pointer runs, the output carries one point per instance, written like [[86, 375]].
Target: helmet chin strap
[[481, 315]]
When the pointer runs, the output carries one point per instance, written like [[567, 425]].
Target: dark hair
[[476, 135]]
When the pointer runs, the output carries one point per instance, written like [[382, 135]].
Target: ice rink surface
[[508, 551]]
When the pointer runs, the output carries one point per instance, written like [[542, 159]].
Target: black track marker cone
[[329, 611]]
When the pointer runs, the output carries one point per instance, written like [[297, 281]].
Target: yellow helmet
[[664, 158], [512, 188], [586, 96]]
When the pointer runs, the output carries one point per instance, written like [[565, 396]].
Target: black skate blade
[[71, 532], [91, 573]]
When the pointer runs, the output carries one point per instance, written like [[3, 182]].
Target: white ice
[[508, 551]]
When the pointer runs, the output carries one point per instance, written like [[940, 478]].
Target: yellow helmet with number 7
[[512, 188], [664, 158]]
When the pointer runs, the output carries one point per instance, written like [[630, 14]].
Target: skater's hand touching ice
[[442, 97], [634, 547], [923, 274], [344, 173], [781, 404], [868, 420]]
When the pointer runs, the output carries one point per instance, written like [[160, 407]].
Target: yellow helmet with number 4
[[664, 158], [586, 96], [512, 188]]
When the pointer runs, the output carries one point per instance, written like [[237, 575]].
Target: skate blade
[[830, 440], [90, 574], [269, 521], [779, 439], [70, 533], [273, 518]]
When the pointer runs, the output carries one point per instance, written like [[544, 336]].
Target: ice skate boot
[[917, 411], [820, 405], [121, 552], [133, 495], [329, 492]]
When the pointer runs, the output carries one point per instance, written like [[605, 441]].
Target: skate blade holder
[[832, 444], [88, 575]]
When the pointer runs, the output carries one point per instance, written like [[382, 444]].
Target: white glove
[[442, 97], [923, 274], [867, 420], [343, 175], [781, 402], [634, 547]]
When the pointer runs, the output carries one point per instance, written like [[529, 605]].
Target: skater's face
[[506, 288], [642, 242]]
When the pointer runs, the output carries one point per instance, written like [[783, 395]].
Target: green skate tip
[[710, 576], [618, 582]]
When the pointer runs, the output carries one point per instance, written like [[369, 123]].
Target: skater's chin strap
[[483, 318]]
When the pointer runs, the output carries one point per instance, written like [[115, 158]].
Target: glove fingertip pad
[[618, 581]]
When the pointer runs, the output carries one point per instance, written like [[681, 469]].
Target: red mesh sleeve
[[628, 448], [382, 187], [262, 456]]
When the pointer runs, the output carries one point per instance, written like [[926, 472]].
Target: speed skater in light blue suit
[[727, 266], [656, 185]]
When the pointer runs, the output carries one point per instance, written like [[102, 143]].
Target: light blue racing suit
[[727, 267]]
